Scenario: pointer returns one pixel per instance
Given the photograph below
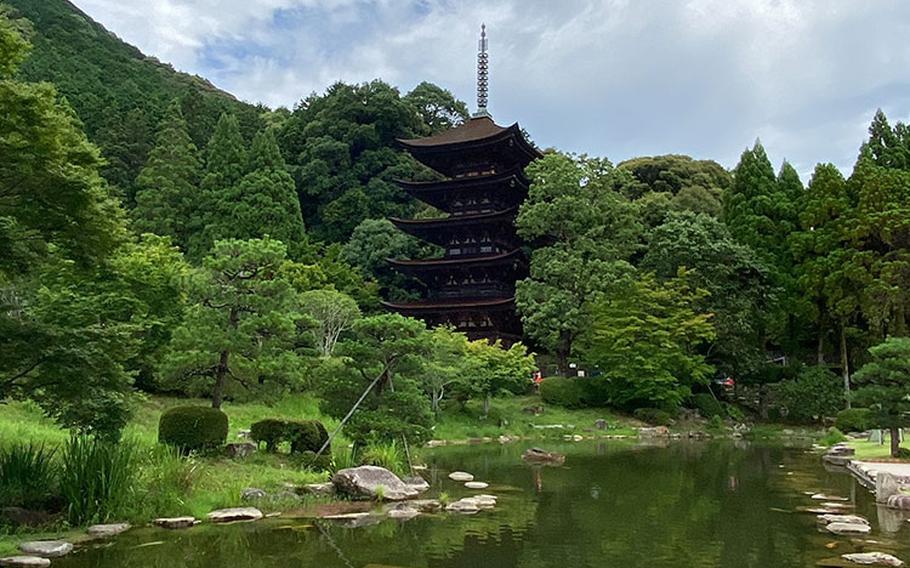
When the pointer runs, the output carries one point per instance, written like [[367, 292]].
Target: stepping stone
[[46, 548], [235, 514], [425, 505], [823, 497], [106, 531], [873, 559], [476, 485], [175, 522], [461, 476], [404, 513], [851, 519], [848, 528], [463, 506], [346, 516], [24, 562]]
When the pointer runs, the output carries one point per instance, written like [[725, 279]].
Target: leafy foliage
[[884, 387], [814, 395]]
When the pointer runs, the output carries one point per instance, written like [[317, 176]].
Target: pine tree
[[226, 156], [166, 200]]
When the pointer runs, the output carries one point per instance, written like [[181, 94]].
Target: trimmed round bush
[[654, 416], [708, 406], [307, 436], [562, 391], [193, 427], [269, 431], [854, 420]]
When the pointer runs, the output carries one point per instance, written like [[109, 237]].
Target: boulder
[[322, 489], [24, 562], [461, 476], [46, 548], [403, 513], [655, 432], [899, 501], [600, 424], [240, 450], [252, 494], [234, 514], [848, 528], [425, 505], [463, 506], [873, 559], [851, 519], [535, 410], [175, 522], [417, 483], [886, 485], [476, 485], [537, 455], [364, 482], [105, 531]]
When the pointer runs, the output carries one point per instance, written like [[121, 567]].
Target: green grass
[[866, 450], [508, 418]]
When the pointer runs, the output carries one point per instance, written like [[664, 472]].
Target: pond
[[613, 504]]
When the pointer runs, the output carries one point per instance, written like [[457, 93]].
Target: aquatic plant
[[97, 478]]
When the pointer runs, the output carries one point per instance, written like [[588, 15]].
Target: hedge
[[193, 427], [303, 436], [853, 420], [562, 391]]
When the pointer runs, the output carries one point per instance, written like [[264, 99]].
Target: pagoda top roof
[[472, 130]]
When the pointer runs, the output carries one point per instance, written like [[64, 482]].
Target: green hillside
[[118, 92]]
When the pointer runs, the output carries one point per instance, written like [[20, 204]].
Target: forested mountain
[[119, 93]]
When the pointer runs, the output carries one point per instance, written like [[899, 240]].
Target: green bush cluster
[[708, 406], [302, 436], [562, 391], [854, 420], [192, 428], [654, 416], [814, 394]]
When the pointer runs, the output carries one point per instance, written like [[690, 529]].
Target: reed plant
[[389, 455], [28, 475], [97, 478]]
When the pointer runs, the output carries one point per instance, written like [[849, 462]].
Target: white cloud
[[612, 77]]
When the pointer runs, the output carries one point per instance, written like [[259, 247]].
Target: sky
[[611, 78]]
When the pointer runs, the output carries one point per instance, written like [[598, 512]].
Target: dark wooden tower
[[472, 286]]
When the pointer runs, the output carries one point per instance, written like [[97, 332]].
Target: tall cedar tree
[[263, 202], [166, 202]]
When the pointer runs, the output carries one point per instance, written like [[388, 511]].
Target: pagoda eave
[[431, 306], [479, 261]]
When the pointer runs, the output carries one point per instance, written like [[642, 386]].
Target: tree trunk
[[220, 375], [486, 405], [820, 355], [562, 352], [895, 442], [844, 362]]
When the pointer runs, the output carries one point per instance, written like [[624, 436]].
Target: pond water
[[613, 504]]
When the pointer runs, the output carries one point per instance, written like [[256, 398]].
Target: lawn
[[866, 450]]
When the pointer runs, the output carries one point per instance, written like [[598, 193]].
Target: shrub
[[833, 436], [854, 420], [166, 480], [270, 431], [323, 462], [28, 475], [562, 391], [388, 455], [814, 394], [193, 428], [97, 479], [708, 406], [654, 416], [307, 436]]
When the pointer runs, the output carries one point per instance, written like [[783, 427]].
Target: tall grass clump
[[166, 480], [389, 455], [97, 478], [28, 475]]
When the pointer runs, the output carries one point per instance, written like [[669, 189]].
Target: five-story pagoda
[[472, 286]]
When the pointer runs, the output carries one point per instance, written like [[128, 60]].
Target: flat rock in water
[[461, 476], [403, 513], [848, 528], [108, 530], [463, 506], [537, 455], [823, 497], [476, 485], [24, 562], [365, 482], [425, 505], [852, 519], [873, 559], [235, 514], [46, 548], [175, 522]]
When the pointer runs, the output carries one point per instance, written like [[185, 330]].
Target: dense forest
[[158, 234]]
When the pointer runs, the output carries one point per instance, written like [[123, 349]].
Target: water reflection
[[612, 505]]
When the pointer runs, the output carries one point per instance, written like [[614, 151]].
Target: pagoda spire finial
[[483, 68]]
